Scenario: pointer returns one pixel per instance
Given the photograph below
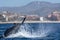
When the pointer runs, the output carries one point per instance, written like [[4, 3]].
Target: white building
[[41, 19]]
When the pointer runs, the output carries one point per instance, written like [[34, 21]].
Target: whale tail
[[16, 24]]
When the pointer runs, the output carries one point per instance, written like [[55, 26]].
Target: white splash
[[28, 32]]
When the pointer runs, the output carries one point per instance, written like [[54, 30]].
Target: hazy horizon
[[18, 3]]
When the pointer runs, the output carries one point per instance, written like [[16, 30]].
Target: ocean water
[[33, 31]]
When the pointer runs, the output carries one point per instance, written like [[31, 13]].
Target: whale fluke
[[12, 29]]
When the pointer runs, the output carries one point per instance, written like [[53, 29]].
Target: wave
[[32, 31]]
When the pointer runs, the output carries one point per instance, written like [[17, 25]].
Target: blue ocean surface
[[33, 31]]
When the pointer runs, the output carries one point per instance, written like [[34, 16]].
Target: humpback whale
[[13, 29]]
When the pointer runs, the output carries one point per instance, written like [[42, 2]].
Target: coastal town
[[6, 16]]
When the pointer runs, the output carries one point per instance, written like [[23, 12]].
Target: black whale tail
[[6, 32]]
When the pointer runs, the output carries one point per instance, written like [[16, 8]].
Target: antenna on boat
[[6, 33]]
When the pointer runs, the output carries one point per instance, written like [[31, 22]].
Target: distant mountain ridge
[[40, 8]]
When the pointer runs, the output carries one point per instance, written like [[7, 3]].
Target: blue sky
[[17, 3]]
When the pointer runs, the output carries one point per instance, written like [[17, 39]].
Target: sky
[[18, 3]]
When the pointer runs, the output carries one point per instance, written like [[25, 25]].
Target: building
[[54, 16], [32, 18], [57, 14], [2, 18]]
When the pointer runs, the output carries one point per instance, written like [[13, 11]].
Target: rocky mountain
[[40, 8]]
